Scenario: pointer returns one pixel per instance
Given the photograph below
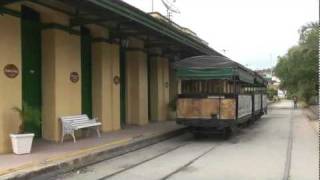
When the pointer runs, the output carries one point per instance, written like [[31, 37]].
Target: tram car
[[216, 95]]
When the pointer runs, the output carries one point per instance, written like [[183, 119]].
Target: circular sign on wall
[[74, 77], [116, 80], [11, 71]]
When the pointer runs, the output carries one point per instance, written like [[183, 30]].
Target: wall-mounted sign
[[116, 80], [11, 71], [74, 77]]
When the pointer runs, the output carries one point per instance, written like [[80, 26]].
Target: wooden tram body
[[217, 94]]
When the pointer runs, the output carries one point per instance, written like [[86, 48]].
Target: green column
[[122, 86], [86, 72], [31, 69]]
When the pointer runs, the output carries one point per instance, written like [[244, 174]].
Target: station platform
[[69, 155]]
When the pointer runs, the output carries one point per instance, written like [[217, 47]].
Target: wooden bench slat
[[88, 125]]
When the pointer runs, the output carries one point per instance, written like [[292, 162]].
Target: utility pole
[[271, 64], [152, 5]]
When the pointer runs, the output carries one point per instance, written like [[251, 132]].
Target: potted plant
[[22, 141]]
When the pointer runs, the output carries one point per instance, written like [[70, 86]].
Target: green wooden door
[[86, 72], [31, 69], [123, 86]]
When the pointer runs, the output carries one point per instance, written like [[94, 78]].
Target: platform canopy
[[124, 21], [213, 67]]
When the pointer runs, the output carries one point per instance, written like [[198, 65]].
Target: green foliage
[[298, 69], [271, 93], [28, 117]]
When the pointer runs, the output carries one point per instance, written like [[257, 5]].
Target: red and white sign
[[74, 77], [11, 71]]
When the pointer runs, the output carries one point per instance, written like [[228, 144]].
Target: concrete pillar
[[106, 92], [173, 83], [179, 86], [115, 58], [137, 88], [159, 88], [60, 57], [10, 88], [136, 84]]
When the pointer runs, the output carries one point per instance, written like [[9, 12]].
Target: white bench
[[73, 123]]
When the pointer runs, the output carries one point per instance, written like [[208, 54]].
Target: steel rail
[[189, 163], [142, 162], [287, 166]]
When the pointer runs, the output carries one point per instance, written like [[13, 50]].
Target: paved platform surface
[[280, 146], [312, 112], [45, 152]]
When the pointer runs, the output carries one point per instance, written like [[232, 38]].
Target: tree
[[298, 69]]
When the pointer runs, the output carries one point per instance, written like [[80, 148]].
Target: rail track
[[286, 175], [180, 168], [142, 162]]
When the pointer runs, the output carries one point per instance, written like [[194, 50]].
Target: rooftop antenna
[[271, 64], [224, 51], [170, 8]]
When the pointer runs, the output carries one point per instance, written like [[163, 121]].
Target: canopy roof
[[215, 67], [124, 21], [203, 62]]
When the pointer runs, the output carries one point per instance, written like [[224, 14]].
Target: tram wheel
[[198, 135], [227, 133]]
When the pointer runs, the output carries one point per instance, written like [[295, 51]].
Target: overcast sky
[[253, 32]]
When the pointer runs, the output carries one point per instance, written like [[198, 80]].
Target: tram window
[[204, 86]]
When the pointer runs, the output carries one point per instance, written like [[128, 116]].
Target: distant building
[[273, 81]]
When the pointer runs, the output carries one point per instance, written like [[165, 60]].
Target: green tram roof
[[260, 81], [215, 67]]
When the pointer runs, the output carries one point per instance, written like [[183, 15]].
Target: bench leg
[[62, 138], [74, 138], [98, 132]]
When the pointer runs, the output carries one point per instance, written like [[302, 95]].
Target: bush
[[271, 93]]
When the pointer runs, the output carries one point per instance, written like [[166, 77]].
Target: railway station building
[[103, 58]]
